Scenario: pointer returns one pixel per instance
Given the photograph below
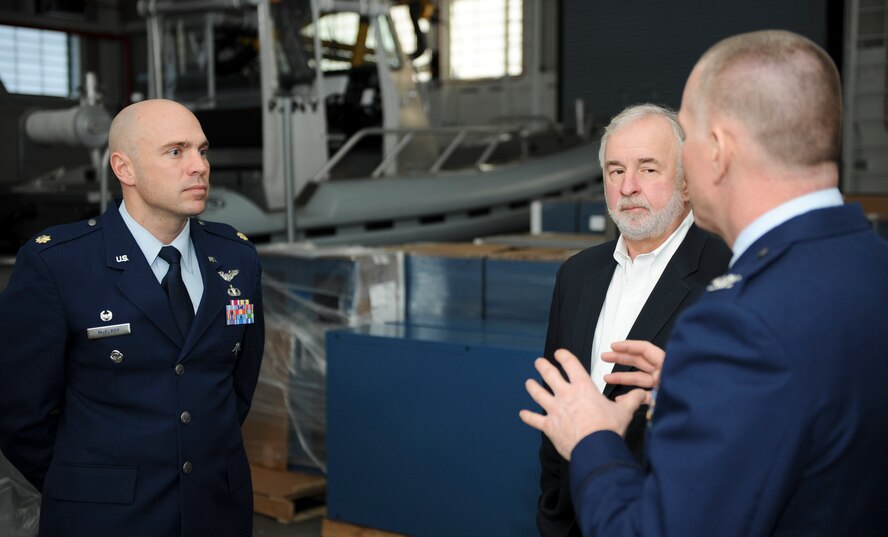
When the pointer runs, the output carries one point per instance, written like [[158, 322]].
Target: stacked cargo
[[423, 431], [307, 292], [398, 373]]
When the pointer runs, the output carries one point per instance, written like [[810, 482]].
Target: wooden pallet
[[334, 528], [288, 496]]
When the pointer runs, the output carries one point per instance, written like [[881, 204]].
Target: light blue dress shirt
[[150, 246], [820, 199]]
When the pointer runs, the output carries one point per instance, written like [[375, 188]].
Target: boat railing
[[497, 134]]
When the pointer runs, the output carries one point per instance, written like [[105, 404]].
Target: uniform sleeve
[[725, 443], [246, 372], [554, 513], [32, 367]]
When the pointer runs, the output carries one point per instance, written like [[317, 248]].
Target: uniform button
[[116, 356], [763, 252], [187, 467], [180, 369], [91, 222], [185, 417]]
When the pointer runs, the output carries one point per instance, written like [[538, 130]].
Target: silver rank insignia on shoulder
[[106, 315], [724, 282], [122, 259], [43, 239]]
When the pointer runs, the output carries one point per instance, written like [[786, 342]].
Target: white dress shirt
[[629, 289], [150, 246]]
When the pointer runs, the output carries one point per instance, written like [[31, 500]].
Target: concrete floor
[[264, 526]]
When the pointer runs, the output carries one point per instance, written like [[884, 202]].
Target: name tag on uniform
[[99, 332]]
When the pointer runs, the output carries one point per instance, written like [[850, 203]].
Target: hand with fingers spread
[[575, 408], [644, 356]]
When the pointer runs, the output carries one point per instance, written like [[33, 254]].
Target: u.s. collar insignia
[[724, 282], [228, 276], [43, 239], [242, 236]]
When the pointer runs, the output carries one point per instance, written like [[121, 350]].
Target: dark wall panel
[[618, 52]]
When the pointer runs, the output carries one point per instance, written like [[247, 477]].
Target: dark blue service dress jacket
[[772, 416], [126, 427]]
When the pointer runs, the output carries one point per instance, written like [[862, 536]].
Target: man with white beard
[[629, 289]]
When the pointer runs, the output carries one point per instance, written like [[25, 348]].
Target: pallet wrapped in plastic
[[308, 291], [19, 503]]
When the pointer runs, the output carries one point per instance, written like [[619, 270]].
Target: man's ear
[[122, 166], [721, 145]]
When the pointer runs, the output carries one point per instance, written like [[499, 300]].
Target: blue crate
[[423, 434], [592, 216], [323, 283], [519, 290], [438, 287], [559, 216], [532, 329]]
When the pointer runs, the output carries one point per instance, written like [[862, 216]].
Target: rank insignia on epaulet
[[724, 282], [43, 239], [242, 236]]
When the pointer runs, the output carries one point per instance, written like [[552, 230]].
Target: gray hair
[[632, 114]]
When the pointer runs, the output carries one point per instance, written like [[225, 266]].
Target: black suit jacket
[[580, 290]]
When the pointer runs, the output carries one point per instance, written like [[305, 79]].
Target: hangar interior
[[412, 201]]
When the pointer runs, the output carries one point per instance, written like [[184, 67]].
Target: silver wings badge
[[228, 276]]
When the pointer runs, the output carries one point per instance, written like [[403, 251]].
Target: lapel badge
[[239, 312], [43, 239], [122, 259], [242, 236], [212, 259], [106, 315], [724, 282], [228, 276]]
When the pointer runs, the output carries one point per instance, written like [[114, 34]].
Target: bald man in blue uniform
[[770, 418], [133, 345]]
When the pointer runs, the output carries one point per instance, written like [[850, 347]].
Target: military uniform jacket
[[137, 433], [771, 417]]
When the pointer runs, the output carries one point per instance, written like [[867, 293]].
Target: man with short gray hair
[[633, 287]]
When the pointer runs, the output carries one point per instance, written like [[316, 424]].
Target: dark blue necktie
[[172, 283]]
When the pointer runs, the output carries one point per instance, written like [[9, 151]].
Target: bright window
[[340, 33], [36, 62], [486, 38]]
